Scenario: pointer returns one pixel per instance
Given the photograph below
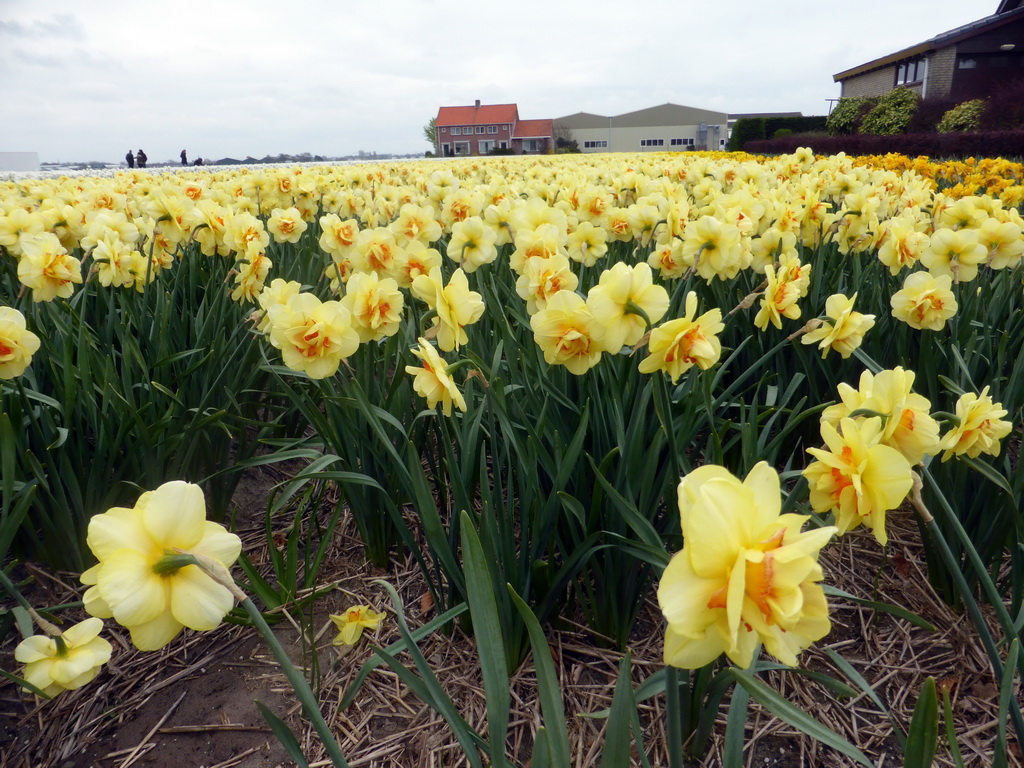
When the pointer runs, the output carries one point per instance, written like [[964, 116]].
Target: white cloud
[[237, 78]]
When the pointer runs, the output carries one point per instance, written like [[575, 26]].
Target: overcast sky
[[225, 78]]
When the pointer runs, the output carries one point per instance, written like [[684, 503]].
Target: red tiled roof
[[485, 114], [532, 129]]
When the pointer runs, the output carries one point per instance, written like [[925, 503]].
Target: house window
[[652, 142], [912, 71], [461, 148], [681, 142], [967, 64], [485, 146], [503, 144], [595, 144], [492, 129], [481, 129], [531, 145], [467, 131], [456, 131], [444, 130]]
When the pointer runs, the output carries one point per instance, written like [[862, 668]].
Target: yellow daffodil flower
[[472, 244], [677, 345], [611, 302], [925, 301], [981, 426], [53, 665], [432, 381], [47, 268], [844, 329], [456, 306], [313, 336], [136, 580], [746, 573], [565, 331], [17, 343], [375, 305], [857, 477], [352, 622], [909, 426]]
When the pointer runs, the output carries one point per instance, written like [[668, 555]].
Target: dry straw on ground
[[194, 697]]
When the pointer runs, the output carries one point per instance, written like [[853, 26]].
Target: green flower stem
[[674, 718], [298, 683], [953, 566], [219, 573]]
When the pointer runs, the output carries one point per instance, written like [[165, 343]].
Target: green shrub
[[746, 129], [847, 115], [892, 114], [962, 118], [805, 124], [782, 132]]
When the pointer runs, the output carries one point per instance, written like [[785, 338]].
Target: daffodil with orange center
[[432, 381], [925, 302], [353, 621], [857, 477], [313, 336], [746, 574], [17, 343], [843, 329], [677, 345], [979, 429], [375, 304], [47, 268], [909, 426], [565, 331]]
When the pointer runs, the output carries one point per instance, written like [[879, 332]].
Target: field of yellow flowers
[[556, 388]]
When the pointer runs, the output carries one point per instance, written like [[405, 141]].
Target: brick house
[[968, 62], [478, 129]]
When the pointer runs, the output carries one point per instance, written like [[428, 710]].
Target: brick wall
[[941, 65], [874, 83]]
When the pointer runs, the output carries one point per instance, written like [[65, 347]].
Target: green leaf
[[24, 684], [548, 687], [1006, 692], [735, 728], [617, 735], [396, 648], [894, 610], [779, 706], [923, 736], [947, 716], [284, 735], [490, 645], [989, 472]]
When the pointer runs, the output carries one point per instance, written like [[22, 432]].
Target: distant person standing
[[130, 159], [184, 160], [140, 158]]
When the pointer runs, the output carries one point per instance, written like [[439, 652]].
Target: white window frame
[[492, 129], [456, 131], [481, 129], [482, 146]]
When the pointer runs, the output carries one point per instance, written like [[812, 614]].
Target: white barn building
[[668, 127]]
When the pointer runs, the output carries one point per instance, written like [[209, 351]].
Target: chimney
[[477, 105]]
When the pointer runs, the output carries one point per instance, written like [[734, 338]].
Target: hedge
[[746, 129], [808, 124], [948, 145]]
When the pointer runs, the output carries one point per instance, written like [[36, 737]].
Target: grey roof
[[583, 120], [667, 114]]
